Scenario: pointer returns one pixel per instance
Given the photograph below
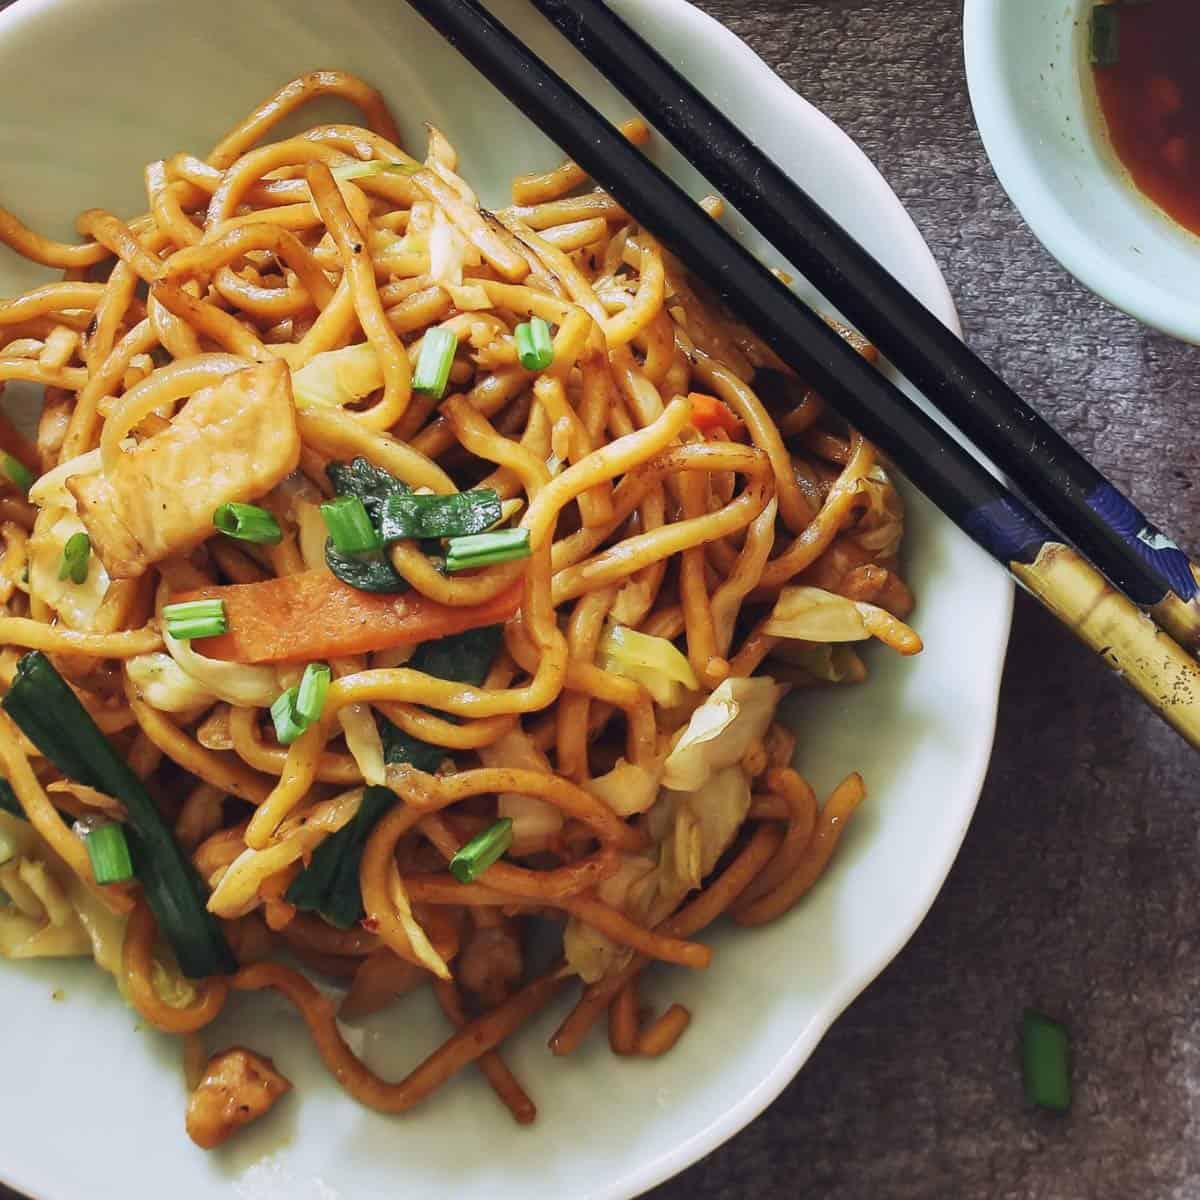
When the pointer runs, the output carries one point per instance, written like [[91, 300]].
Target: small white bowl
[[1035, 103]]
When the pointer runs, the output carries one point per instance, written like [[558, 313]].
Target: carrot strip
[[312, 615], [709, 413]]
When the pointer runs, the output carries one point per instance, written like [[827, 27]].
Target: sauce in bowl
[[1148, 81]]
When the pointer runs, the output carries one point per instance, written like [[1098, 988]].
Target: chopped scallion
[[349, 525], [535, 346], [310, 694], [486, 549], [1044, 1059], [195, 619], [17, 472], [481, 851], [248, 523], [1106, 35], [109, 852], [289, 725], [75, 555], [433, 365]]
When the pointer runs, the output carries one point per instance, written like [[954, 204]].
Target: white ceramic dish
[[1035, 104], [89, 93]]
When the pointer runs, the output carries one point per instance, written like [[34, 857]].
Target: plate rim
[[629, 1184]]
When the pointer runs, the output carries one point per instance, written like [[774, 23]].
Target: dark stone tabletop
[[1076, 890]]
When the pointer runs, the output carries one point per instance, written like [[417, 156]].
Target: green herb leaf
[[51, 716], [371, 484], [438, 516], [329, 884], [367, 572], [463, 658]]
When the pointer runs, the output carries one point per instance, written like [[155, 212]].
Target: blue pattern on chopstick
[[1152, 545], [1007, 529]]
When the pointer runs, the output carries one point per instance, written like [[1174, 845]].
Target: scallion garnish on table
[[481, 851], [248, 523], [1045, 1061]]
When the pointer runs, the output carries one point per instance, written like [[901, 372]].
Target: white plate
[[1035, 103], [89, 93]]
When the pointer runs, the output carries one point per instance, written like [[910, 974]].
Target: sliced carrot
[[709, 413], [312, 615]]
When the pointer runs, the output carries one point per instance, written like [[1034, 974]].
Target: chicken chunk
[[238, 1087], [234, 441]]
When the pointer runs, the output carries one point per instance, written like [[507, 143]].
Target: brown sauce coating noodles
[[691, 537]]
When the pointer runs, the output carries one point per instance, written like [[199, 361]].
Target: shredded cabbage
[[50, 490], [363, 742], [336, 378], [721, 730], [815, 615], [417, 939], [532, 817], [834, 663], [53, 914], [75, 603], [651, 661], [627, 789], [165, 685]]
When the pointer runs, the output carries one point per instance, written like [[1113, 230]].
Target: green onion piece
[[486, 549], [17, 472], [248, 523], [75, 555], [433, 365], [1044, 1046], [310, 695], [51, 716], [289, 724], [535, 346], [481, 851], [349, 525], [195, 619], [109, 852], [377, 166], [1106, 35]]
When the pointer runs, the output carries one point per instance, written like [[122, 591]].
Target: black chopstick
[[983, 507], [1069, 490]]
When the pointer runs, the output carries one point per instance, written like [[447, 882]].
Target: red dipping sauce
[[1151, 101]]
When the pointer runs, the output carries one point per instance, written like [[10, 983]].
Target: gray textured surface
[[1076, 889]]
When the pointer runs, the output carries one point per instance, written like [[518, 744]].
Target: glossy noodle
[[517, 540]]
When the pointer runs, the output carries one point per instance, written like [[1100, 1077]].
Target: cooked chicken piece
[[234, 441], [238, 1087], [490, 964]]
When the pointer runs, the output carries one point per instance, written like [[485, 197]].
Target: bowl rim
[[626, 1184], [1014, 159]]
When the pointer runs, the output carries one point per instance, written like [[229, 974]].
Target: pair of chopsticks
[[1107, 574]]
